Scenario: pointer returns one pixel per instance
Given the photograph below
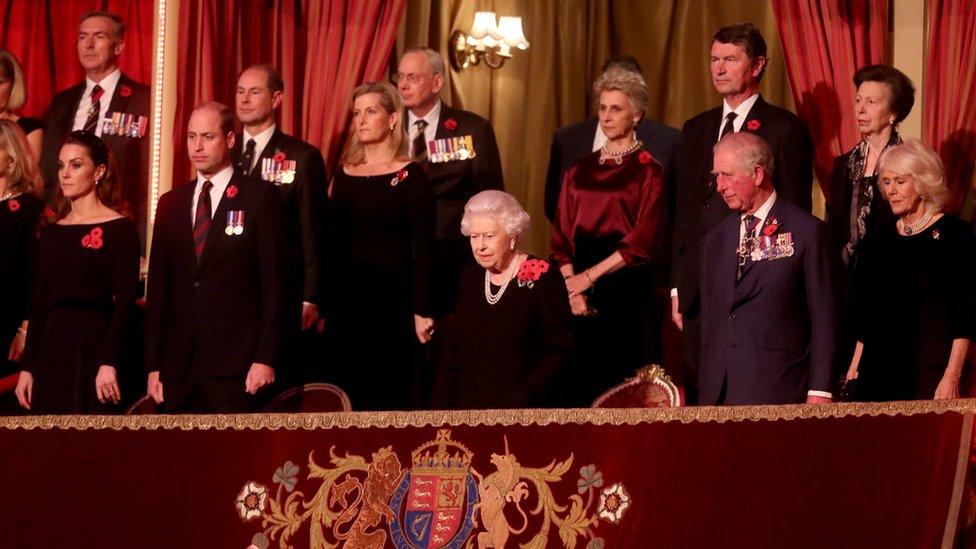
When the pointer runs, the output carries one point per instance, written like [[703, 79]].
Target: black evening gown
[[914, 296], [512, 353], [86, 290], [381, 230], [19, 216]]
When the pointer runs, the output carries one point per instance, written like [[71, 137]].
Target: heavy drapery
[[950, 92], [825, 42]]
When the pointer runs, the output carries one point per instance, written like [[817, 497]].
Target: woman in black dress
[[381, 229], [511, 337], [20, 211], [88, 271], [914, 287], [855, 205], [13, 95]]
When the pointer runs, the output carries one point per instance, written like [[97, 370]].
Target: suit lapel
[[218, 223], [268, 152], [754, 120], [447, 113], [708, 186], [185, 225], [121, 97]]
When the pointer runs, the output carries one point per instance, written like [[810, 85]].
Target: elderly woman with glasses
[[511, 339], [914, 286]]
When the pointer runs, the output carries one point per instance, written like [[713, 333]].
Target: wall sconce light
[[488, 41]]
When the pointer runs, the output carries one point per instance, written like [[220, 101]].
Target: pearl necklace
[[917, 225], [509, 275], [607, 155]]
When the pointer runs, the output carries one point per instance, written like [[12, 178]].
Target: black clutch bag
[[848, 391]]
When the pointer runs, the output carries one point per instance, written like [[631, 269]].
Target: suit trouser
[[692, 355]]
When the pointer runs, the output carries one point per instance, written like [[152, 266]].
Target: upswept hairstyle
[[355, 152], [901, 91], [628, 82], [107, 190]]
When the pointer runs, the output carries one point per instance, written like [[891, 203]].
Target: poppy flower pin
[[771, 227], [644, 157], [400, 176], [530, 271], [125, 91], [279, 157], [753, 125], [231, 191], [450, 124], [92, 240], [13, 205]]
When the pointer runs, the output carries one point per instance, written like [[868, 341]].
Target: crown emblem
[[441, 455]]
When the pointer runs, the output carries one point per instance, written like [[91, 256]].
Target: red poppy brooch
[[771, 227], [279, 157], [231, 191], [400, 176], [93, 239], [13, 205], [753, 125], [450, 124], [531, 271], [125, 91], [645, 157]]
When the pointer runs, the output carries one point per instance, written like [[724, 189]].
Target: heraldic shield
[[435, 501]]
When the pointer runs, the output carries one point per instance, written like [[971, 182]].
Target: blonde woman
[[914, 286], [381, 229], [13, 95], [20, 211]]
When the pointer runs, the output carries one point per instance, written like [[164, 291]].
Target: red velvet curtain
[[824, 43], [42, 35], [323, 48], [950, 92]]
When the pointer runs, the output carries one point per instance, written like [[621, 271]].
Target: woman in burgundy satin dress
[[606, 240]]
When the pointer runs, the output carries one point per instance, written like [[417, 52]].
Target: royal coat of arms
[[441, 501]]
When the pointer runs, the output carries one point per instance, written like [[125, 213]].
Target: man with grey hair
[[767, 314], [109, 104], [459, 152]]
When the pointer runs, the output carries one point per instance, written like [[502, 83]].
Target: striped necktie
[[95, 109], [201, 221]]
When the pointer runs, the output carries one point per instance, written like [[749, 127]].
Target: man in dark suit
[[215, 276], [571, 142], [455, 172], [263, 151], [738, 59], [767, 320], [109, 104]]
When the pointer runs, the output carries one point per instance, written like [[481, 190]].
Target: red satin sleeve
[[622, 202]]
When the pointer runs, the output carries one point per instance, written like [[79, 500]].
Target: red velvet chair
[[143, 406], [311, 397], [650, 388]]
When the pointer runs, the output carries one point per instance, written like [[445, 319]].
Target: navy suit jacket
[[570, 143], [216, 318], [769, 337], [699, 207]]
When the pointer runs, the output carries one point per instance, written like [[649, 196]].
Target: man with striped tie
[[214, 300], [738, 60], [109, 104]]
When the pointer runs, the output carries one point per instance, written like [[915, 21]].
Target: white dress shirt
[[108, 84], [220, 181], [261, 141], [432, 118], [741, 112]]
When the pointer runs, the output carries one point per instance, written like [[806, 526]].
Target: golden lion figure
[[382, 478]]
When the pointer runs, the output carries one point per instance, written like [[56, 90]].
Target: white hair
[[500, 205], [434, 61]]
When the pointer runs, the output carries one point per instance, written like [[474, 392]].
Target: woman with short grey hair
[[914, 286], [511, 336]]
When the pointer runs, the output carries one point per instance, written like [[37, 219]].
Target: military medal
[[469, 145], [235, 223]]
